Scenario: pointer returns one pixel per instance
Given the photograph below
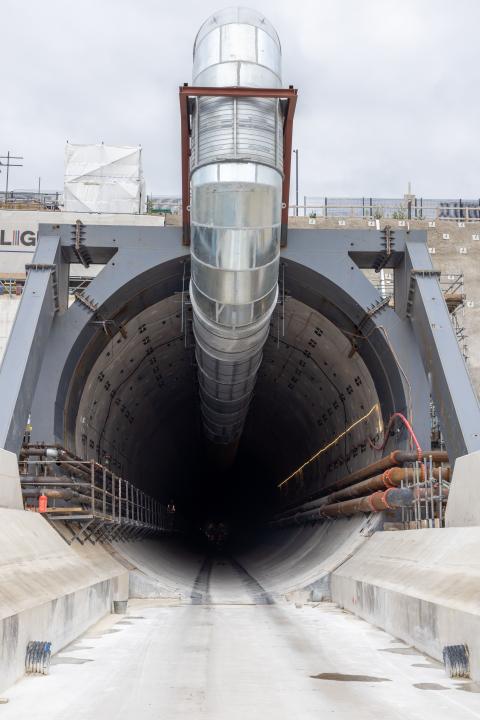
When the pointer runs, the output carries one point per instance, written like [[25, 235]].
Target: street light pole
[[296, 181], [8, 165]]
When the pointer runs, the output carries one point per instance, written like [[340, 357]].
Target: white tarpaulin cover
[[103, 178]]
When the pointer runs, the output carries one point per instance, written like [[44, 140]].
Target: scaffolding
[[86, 501], [453, 289], [11, 286]]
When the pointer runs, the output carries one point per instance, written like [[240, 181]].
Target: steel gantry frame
[[411, 350]]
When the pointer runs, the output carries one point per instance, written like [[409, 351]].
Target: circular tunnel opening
[[314, 408]]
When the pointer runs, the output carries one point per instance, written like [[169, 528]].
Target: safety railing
[[408, 208], [101, 504], [369, 208]]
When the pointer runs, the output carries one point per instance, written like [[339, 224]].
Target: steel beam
[[451, 388], [28, 342]]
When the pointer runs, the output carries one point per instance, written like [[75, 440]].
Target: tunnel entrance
[[126, 396], [139, 414]]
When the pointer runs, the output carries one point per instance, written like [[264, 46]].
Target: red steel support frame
[[187, 92]]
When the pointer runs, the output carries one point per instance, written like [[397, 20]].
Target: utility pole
[[8, 157], [296, 181]]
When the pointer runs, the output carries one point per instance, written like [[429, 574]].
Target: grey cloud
[[388, 88]]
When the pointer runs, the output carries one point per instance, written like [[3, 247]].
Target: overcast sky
[[388, 89]]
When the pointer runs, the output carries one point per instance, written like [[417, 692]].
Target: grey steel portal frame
[[410, 351]]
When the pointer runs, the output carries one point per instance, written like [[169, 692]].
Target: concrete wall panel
[[48, 590], [419, 585]]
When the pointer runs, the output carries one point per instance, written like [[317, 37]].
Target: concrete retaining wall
[[422, 586], [48, 590], [59, 621]]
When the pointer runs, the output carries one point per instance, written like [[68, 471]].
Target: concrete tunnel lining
[[140, 399], [302, 400]]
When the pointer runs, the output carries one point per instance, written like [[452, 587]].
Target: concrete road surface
[[232, 652]]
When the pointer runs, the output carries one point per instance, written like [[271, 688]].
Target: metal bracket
[[92, 306], [78, 535], [78, 236], [377, 307], [40, 266], [387, 237], [87, 302], [380, 305], [428, 272], [106, 324]]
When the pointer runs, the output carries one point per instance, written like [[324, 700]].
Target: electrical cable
[[404, 420]]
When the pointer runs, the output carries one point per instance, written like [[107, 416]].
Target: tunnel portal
[[118, 382], [109, 380]]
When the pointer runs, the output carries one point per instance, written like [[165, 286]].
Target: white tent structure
[[103, 178]]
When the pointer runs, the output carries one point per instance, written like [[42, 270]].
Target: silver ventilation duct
[[236, 184]]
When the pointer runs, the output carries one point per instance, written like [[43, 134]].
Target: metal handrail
[[84, 488], [397, 209], [406, 208]]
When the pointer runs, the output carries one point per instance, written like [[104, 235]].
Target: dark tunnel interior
[[139, 413]]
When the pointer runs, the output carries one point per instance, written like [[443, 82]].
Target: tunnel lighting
[[330, 444]]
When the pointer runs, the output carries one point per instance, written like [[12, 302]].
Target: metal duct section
[[236, 184]]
